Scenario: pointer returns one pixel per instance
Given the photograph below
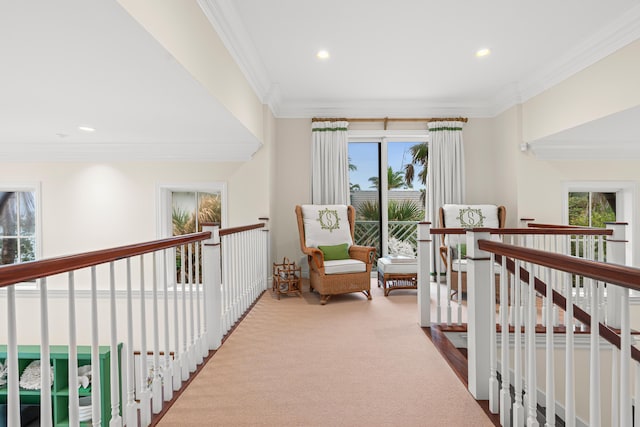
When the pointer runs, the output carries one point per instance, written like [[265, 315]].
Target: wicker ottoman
[[397, 274]]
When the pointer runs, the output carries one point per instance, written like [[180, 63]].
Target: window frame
[[383, 138], [164, 210], [34, 187], [625, 205]]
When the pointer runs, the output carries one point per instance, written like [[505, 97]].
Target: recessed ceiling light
[[86, 128], [322, 54], [483, 52]]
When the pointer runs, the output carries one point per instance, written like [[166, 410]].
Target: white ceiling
[[416, 57], [68, 63], [76, 62]]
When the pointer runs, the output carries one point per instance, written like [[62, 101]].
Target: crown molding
[[229, 26], [226, 21], [616, 35]]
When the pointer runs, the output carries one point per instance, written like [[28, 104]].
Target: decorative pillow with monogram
[[469, 216], [326, 225]]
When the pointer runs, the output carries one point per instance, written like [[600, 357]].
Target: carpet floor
[[352, 362]]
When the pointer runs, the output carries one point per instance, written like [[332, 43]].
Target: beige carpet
[[351, 362]]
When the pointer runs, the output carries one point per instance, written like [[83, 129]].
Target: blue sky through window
[[365, 156]]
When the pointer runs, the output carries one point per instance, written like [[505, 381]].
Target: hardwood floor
[[457, 359]]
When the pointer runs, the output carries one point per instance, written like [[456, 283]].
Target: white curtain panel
[[330, 163], [446, 167]]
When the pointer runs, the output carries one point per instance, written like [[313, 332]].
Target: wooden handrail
[[234, 230], [628, 277], [582, 316], [16, 273], [560, 231]]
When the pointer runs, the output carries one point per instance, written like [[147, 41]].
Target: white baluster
[[167, 373], [532, 384], [424, 276], [145, 393], [636, 408], [594, 367], [459, 256], [549, 363], [436, 256], [192, 329], [625, 361], [518, 410], [131, 409], [73, 355], [184, 354], [494, 393], [615, 387], [96, 385], [569, 363], [505, 394], [156, 384], [448, 293], [13, 382], [116, 420], [203, 350], [177, 354], [46, 415]]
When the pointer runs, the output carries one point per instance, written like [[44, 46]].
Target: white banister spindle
[[96, 385], [436, 254], [616, 248], [73, 354], [203, 349], [424, 275], [184, 350], [615, 387], [13, 381], [518, 409], [167, 373], [156, 384], [46, 414], [625, 361], [145, 394], [131, 408], [116, 420], [594, 367], [177, 354], [192, 328], [505, 394], [531, 323], [569, 363], [636, 381], [459, 284], [549, 352], [448, 293], [494, 392]]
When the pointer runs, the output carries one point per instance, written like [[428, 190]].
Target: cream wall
[[88, 206], [606, 87], [182, 28], [485, 182]]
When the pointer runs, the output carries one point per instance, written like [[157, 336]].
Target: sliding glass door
[[387, 178]]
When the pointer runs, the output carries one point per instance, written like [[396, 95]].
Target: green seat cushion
[[335, 252]]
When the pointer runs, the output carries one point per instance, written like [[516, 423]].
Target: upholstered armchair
[[336, 265], [453, 246]]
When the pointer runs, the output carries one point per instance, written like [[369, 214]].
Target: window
[[397, 165], [593, 203], [18, 226], [185, 207]]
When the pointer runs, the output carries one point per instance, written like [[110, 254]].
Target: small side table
[[286, 278], [397, 274]]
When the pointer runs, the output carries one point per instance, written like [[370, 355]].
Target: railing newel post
[[479, 318], [424, 273], [212, 280]]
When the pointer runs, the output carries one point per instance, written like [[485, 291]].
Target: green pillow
[[335, 252]]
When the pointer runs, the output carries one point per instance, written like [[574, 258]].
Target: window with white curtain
[[19, 224], [388, 207]]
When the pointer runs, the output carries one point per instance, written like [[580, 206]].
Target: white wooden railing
[[534, 332], [163, 326]]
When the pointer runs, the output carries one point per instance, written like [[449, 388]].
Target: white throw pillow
[[469, 216], [326, 225]]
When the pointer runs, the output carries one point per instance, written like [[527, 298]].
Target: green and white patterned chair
[[336, 265]]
